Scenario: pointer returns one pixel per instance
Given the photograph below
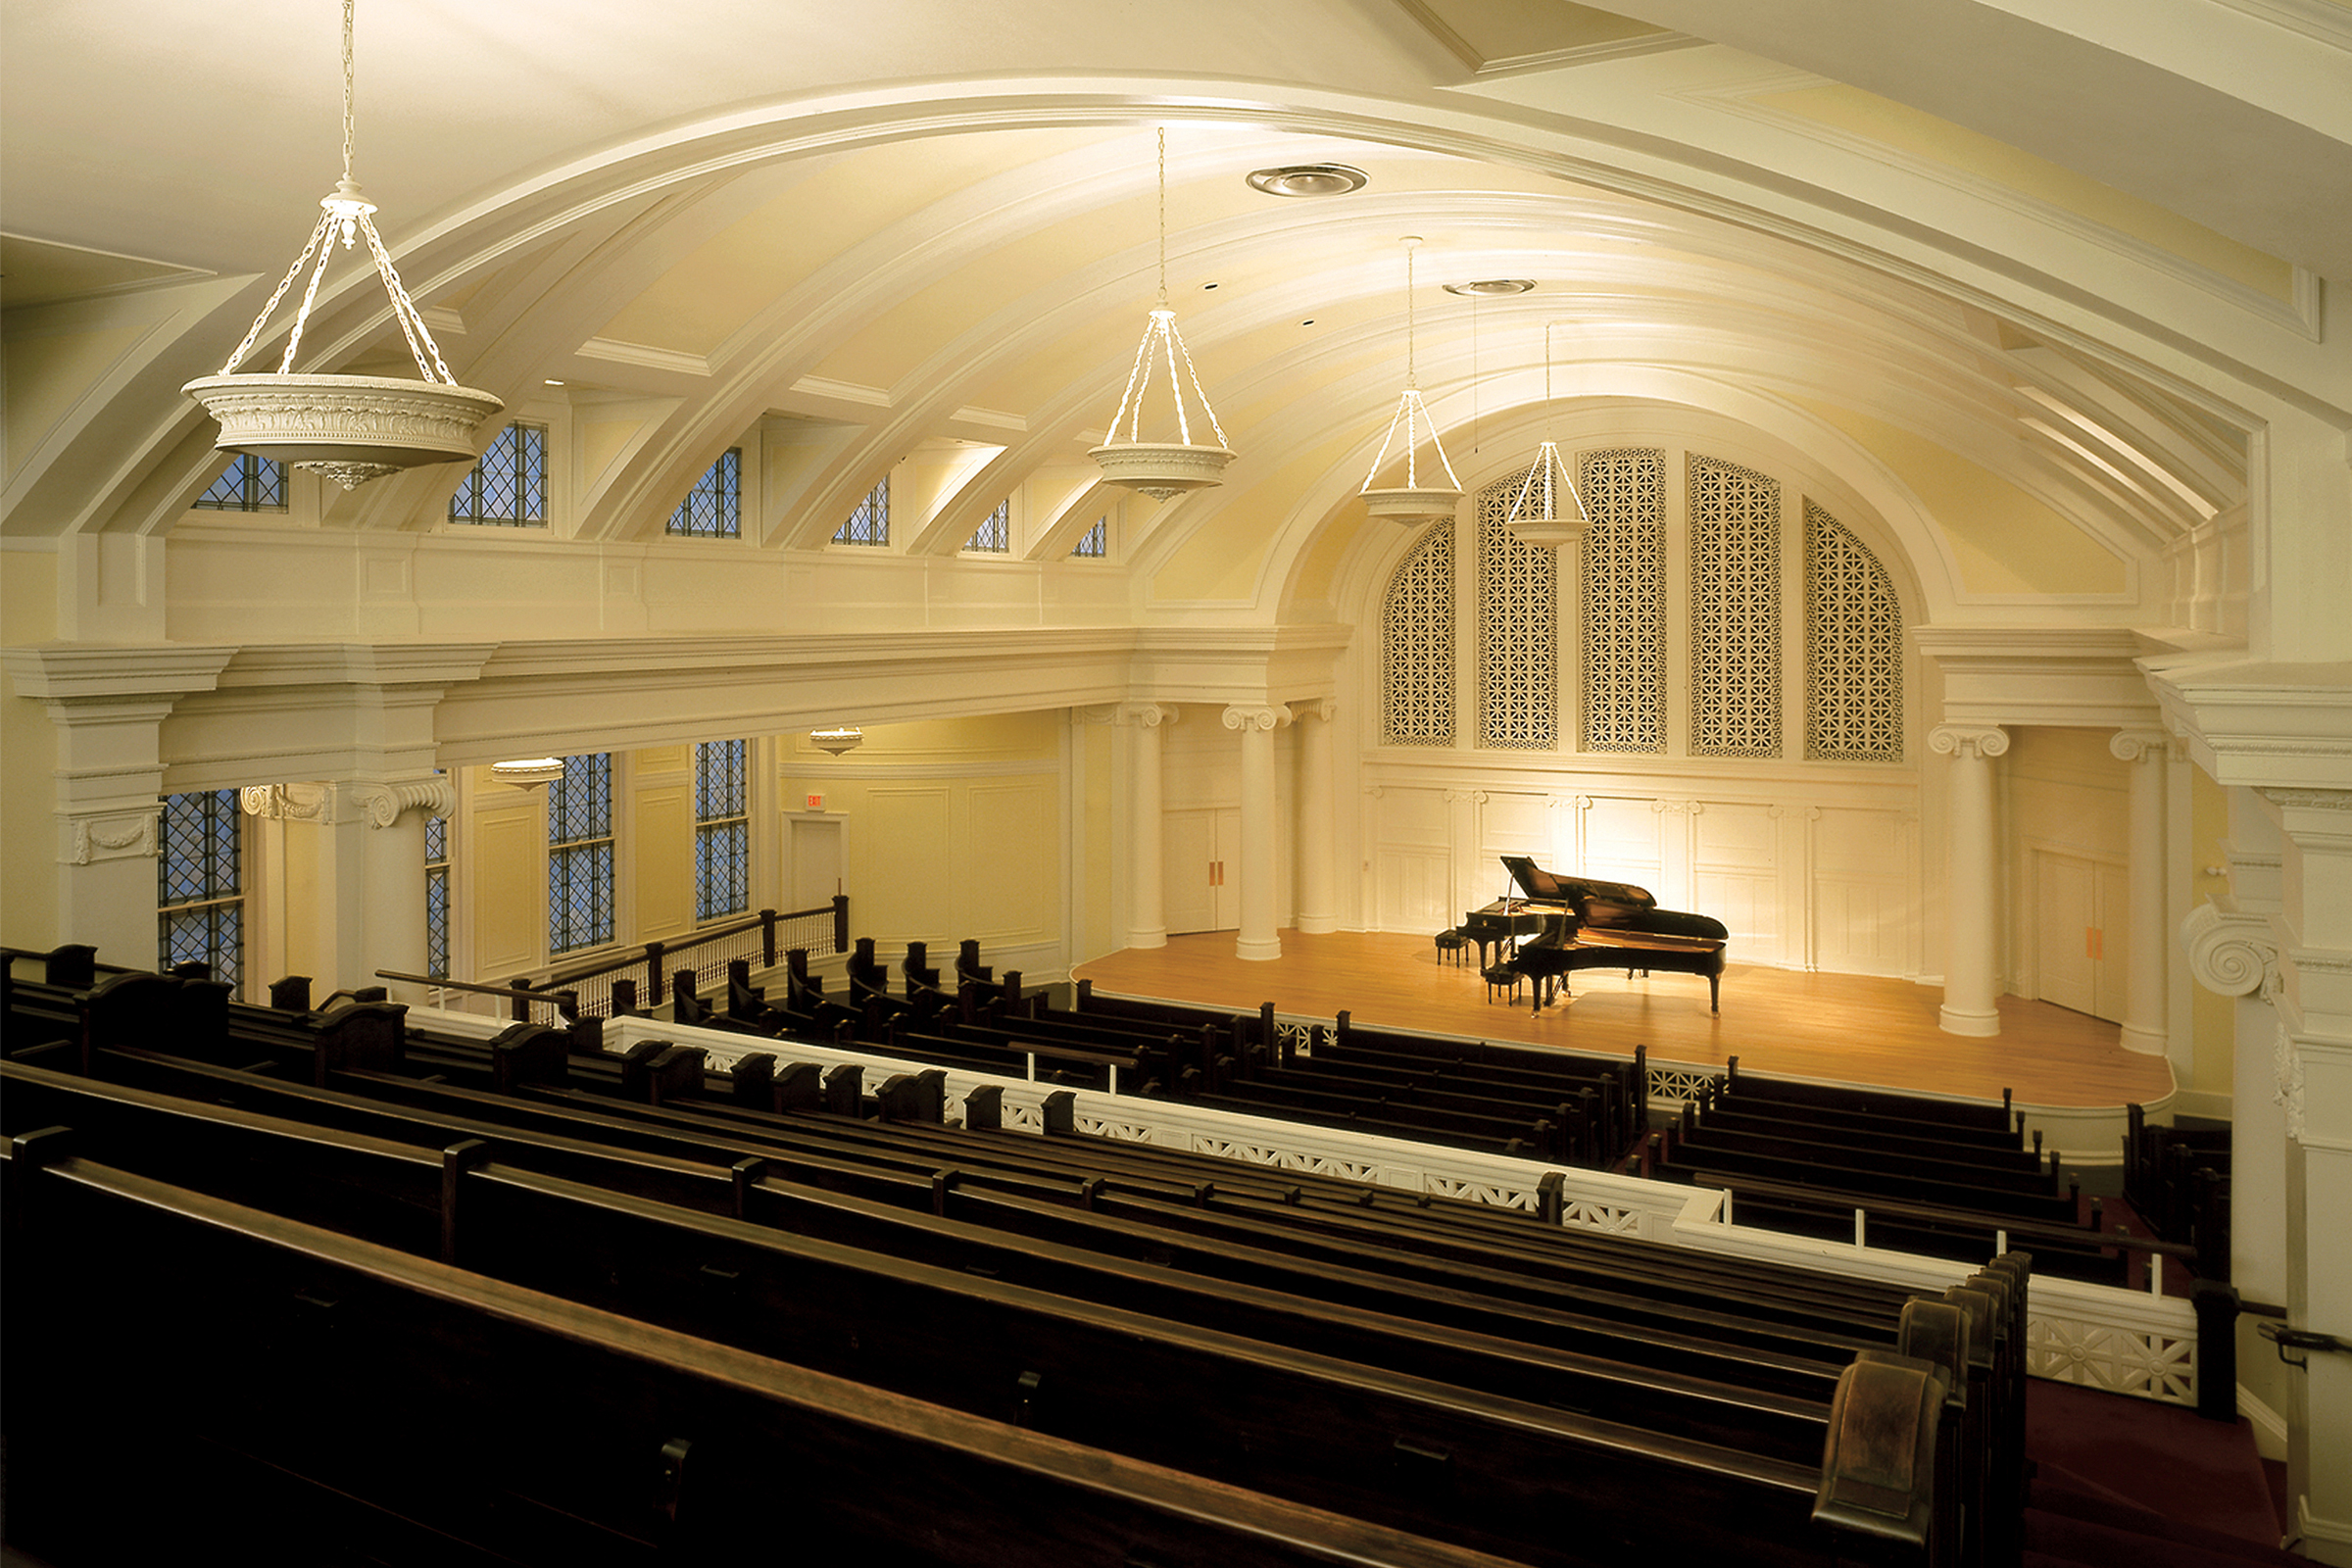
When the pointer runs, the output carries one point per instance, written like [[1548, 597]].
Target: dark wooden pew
[[1497, 1447], [316, 1398]]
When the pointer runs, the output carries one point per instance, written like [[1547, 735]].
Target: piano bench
[[1451, 944], [1503, 978]]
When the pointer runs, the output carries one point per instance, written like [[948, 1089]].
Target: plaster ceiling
[[922, 221]]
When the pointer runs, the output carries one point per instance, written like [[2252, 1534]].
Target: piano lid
[[1552, 888], [1533, 879]]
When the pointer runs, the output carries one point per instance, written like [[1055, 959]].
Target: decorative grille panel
[[713, 508], [1095, 542], [1417, 644], [1853, 649], [1624, 600], [1735, 610], [1518, 630]]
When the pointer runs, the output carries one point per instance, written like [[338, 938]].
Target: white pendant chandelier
[[352, 428], [1420, 497], [1547, 510], [1159, 467]]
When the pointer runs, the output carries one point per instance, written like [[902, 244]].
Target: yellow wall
[[28, 759], [953, 828], [658, 824], [503, 845]]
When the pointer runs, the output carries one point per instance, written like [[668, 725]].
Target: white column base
[[1148, 939], [2147, 1041], [1257, 949], [1962, 1021], [1317, 925]]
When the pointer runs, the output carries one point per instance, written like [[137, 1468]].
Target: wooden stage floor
[[1844, 1028]]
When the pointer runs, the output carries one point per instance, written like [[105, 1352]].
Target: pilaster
[[1257, 725], [1972, 875]]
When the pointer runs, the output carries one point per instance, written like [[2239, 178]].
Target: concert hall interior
[[1954, 392]]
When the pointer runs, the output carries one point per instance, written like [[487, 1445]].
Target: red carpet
[[2106, 1463]]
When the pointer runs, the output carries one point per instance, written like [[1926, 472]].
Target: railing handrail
[[565, 999]]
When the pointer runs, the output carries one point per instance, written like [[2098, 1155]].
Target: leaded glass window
[[248, 484], [1853, 649], [713, 508], [722, 831], [1624, 615], [1095, 542], [1518, 637], [508, 487], [436, 897], [1417, 646], [200, 901], [869, 520], [1735, 610], [994, 536], [579, 855]]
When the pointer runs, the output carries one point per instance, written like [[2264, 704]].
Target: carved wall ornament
[[115, 836], [2286, 1062], [2310, 800], [2138, 745], [259, 800], [1149, 716]]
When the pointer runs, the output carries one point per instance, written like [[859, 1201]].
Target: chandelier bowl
[[348, 427], [1161, 470]]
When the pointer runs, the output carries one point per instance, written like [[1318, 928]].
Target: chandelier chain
[[349, 8], [1164, 215], [1408, 318]]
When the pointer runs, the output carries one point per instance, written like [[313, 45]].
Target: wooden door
[[2081, 924], [1203, 876], [814, 871]]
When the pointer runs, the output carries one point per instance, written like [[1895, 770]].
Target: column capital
[[2140, 745], [1324, 709], [381, 800], [1983, 741], [1246, 717], [1148, 715]]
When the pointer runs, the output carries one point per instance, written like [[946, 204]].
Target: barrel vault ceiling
[[2071, 260]]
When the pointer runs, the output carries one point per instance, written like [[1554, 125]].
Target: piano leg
[[1715, 993]]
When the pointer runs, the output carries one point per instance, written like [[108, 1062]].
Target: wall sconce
[[846, 738], [528, 772]]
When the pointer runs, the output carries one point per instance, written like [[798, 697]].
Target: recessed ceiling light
[[1489, 287], [1206, 286], [1308, 179], [1309, 322], [552, 381]]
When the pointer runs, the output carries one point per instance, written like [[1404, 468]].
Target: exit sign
[[816, 803]]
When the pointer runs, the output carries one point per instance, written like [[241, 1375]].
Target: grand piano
[[1566, 923]]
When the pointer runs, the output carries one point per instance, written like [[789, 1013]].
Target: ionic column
[[1971, 875], [1316, 911], [391, 915], [1148, 906], [2148, 751], [1257, 725]]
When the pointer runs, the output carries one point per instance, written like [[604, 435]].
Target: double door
[[1202, 870], [2082, 923]]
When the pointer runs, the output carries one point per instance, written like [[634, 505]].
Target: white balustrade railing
[[2127, 1342]]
